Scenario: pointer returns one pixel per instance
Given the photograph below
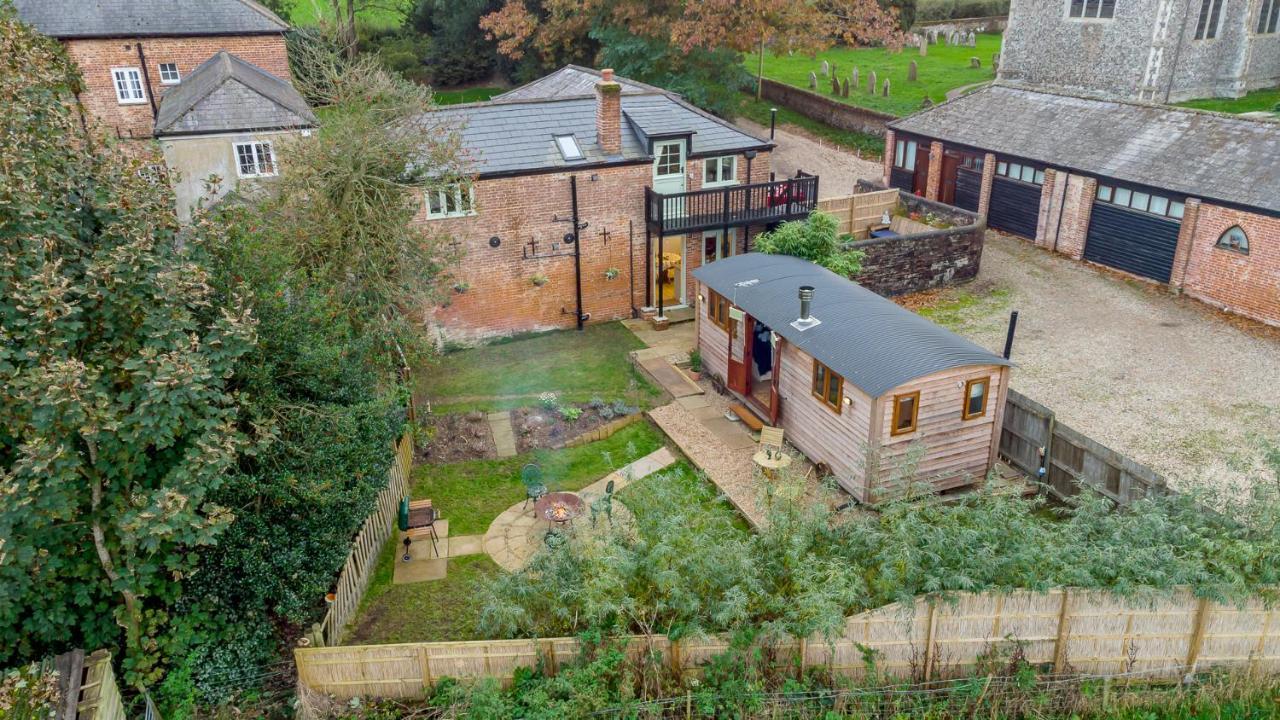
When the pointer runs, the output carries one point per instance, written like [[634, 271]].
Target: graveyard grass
[[944, 68]]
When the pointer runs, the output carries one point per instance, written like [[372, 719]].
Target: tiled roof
[[872, 342], [518, 136], [568, 82], [1207, 155], [135, 18], [226, 93]]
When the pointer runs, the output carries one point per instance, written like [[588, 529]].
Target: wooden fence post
[[1060, 644], [676, 668], [1197, 634], [928, 638], [424, 659]]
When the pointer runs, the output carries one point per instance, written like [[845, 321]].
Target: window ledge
[[451, 215], [712, 186]]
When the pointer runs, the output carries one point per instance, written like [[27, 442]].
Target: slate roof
[[1207, 155], [228, 94], [872, 342], [143, 18], [567, 82], [511, 137]]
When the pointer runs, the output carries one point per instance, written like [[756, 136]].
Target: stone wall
[[910, 263], [990, 24], [826, 110]]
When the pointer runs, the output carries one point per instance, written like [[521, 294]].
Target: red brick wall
[[1186, 238], [1245, 284], [1050, 200], [501, 297], [934, 182], [1073, 230], [96, 58], [890, 141], [988, 180]]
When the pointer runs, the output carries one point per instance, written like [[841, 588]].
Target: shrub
[[815, 239], [570, 413], [695, 360]]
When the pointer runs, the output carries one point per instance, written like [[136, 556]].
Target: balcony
[[731, 206]]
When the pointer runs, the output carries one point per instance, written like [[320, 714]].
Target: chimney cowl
[[806, 319]]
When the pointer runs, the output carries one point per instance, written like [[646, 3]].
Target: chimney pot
[[607, 74], [806, 300]]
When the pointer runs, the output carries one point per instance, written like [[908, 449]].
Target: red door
[[950, 173], [920, 183], [739, 379]]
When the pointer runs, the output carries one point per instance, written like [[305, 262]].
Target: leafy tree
[[459, 51], [117, 421], [708, 78], [815, 239]]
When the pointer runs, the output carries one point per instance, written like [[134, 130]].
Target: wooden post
[[928, 638], [424, 659], [674, 649], [804, 656], [1060, 644], [1197, 634], [1261, 644], [549, 647]]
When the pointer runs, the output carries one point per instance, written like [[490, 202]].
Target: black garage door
[[968, 188], [1136, 242], [902, 179], [1015, 207]]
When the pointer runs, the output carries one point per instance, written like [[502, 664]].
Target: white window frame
[[1268, 18], [141, 85], [443, 195], [255, 149], [177, 75], [572, 141], [719, 164], [721, 244], [904, 154]]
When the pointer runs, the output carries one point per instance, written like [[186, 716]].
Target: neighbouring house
[[878, 394], [1186, 198], [1151, 50], [594, 198], [209, 78]]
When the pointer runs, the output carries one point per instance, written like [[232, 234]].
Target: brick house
[[1186, 198], [594, 198], [209, 78]]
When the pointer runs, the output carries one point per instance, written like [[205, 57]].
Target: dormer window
[[1234, 239], [720, 171], [568, 146]]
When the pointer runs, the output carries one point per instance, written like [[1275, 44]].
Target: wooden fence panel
[[356, 572], [854, 213], [1074, 630], [1025, 430], [99, 694]]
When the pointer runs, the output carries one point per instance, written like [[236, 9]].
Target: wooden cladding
[[718, 310], [827, 386], [975, 398], [906, 412]]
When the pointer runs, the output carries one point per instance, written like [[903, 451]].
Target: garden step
[[670, 378], [504, 436]]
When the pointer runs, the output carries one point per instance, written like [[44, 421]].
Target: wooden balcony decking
[[731, 206]]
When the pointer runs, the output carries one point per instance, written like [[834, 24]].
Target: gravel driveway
[[836, 167], [1181, 388]]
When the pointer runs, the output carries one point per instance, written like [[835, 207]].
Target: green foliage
[[29, 693], [710, 78], [926, 10], [117, 418], [815, 239], [695, 360], [459, 52]]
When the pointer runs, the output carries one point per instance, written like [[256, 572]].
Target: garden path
[[504, 436], [515, 535]]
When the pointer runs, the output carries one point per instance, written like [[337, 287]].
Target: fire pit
[[559, 507]]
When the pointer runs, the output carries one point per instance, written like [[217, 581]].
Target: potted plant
[[539, 280], [612, 273], [695, 364]]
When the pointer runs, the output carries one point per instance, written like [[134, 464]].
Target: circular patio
[[516, 534]]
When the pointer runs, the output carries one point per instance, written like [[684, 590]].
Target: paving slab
[[466, 545], [691, 402], [421, 571], [734, 435], [504, 436], [670, 377]]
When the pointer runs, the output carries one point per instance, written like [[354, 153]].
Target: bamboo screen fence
[[357, 571], [1074, 630], [856, 212]]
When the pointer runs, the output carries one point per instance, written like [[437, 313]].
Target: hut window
[[975, 398], [904, 154], [1234, 239], [827, 386], [906, 409], [718, 310]]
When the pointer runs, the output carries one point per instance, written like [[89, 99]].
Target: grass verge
[[870, 146], [465, 95], [431, 611], [1258, 100]]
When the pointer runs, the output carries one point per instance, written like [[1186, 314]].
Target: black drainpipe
[[577, 248], [146, 81]]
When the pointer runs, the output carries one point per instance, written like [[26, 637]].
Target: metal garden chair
[[534, 488]]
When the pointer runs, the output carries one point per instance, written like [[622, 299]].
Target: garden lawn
[[944, 68], [682, 480], [512, 373], [871, 146], [465, 95], [472, 493], [432, 611], [1264, 100]]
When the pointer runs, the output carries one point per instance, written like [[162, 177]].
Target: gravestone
[[912, 71], [844, 88], [871, 82], [975, 62], [854, 78], [835, 85], [885, 91], [927, 103], [924, 48], [973, 39], [826, 69], [813, 81], [995, 61]]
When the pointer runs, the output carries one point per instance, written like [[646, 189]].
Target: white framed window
[[1018, 171], [129, 87], [1234, 239], [716, 245], [1207, 22], [720, 171], [255, 159], [454, 200], [1091, 9], [904, 154], [1141, 201], [568, 146], [169, 74]]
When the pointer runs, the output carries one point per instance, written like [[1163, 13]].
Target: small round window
[[1234, 239]]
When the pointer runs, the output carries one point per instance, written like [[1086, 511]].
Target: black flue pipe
[[1008, 339], [773, 121], [577, 249]]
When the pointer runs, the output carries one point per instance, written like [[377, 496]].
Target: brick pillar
[[1076, 211], [1186, 243], [988, 179], [934, 182], [609, 113], [1050, 200], [889, 142]]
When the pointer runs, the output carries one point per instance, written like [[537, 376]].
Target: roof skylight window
[[568, 146]]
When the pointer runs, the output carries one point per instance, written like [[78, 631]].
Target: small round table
[[559, 508], [771, 465]]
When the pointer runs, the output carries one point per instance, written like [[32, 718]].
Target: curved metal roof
[[872, 342]]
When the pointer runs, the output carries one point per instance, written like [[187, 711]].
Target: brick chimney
[[609, 113]]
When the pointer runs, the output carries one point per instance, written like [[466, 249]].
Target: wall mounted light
[[848, 401], [495, 241], [701, 299]]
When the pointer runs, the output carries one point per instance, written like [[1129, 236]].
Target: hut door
[[739, 355], [920, 183], [775, 401]]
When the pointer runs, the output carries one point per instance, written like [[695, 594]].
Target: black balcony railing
[[732, 206]]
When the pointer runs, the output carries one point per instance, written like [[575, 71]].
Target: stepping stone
[[504, 436], [466, 545], [693, 401], [733, 435], [670, 378], [420, 571]]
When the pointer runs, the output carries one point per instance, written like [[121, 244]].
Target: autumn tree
[[116, 420]]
